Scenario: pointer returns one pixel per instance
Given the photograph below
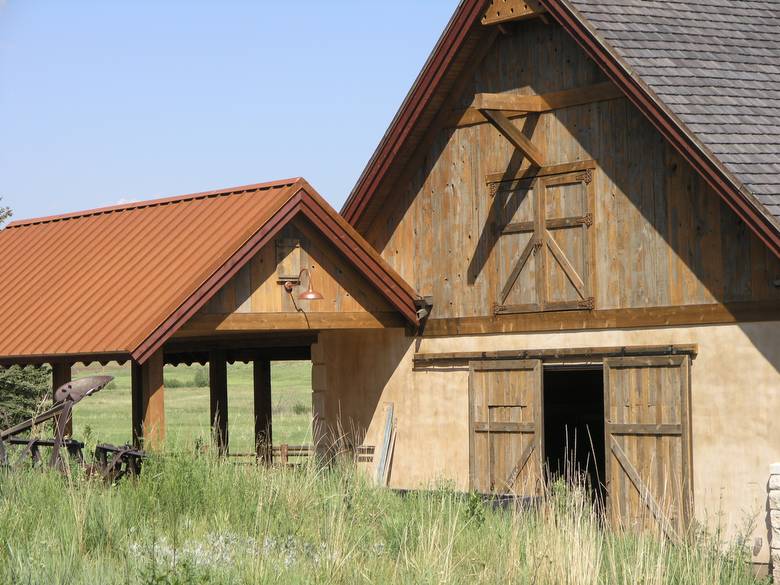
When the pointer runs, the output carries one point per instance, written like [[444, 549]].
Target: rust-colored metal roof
[[119, 281]]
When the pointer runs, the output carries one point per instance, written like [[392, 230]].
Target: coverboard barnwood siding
[[661, 236], [256, 288]]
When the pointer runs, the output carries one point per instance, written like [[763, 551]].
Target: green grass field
[[195, 520], [105, 417]]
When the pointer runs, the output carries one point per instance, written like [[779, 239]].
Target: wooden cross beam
[[514, 105], [515, 136], [546, 101]]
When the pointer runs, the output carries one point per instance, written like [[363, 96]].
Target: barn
[[566, 247], [587, 195]]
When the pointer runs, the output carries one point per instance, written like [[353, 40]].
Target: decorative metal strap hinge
[[586, 176], [588, 219]]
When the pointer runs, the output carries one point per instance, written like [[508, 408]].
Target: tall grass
[[195, 519]]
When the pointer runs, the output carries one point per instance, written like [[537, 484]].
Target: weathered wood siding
[[507, 426], [256, 288], [648, 463], [661, 236]]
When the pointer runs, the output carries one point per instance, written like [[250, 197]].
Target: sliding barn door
[[647, 442], [506, 426]]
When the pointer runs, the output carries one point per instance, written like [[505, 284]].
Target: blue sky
[[104, 102]]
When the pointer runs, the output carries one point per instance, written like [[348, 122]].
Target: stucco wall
[[364, 371], [735, 393]]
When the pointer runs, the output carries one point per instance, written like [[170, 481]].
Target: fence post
[[774, 520]]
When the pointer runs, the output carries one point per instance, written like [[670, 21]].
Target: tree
[[5, 213], [22, 390]]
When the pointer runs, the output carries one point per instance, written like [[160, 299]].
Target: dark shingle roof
[[716, 65]]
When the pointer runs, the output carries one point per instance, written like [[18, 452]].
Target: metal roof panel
[[104, 281]]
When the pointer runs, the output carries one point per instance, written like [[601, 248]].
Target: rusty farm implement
[[111, 462]]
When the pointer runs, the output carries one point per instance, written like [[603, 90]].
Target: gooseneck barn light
[[309, 294]]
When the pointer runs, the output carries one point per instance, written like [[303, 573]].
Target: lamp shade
[[310, 294]]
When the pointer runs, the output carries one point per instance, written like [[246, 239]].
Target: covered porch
[[227, 360], [253, 274]]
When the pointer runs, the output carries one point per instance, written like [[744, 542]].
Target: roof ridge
[[153, 202]]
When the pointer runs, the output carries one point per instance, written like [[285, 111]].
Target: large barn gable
[[735, 156]]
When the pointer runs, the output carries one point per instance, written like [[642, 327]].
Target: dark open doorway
[[574, 424]]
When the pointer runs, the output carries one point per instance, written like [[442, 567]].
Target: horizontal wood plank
[[606, 319], [653, 361], [577, 305], [526, 176], [644, 429], [489, 366], [515, 106], [504, 427], [208, 324], [507, 102], [547, 101], [502, 359], [523, 227]]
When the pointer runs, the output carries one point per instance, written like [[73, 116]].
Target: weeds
[[196, 519], [300, 408]]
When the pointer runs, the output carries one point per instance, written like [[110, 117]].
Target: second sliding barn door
[[647, 442], [506, 426]]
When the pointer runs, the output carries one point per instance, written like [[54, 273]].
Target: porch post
[[61, 374], [148, 402], [263, 431], [218, 400]]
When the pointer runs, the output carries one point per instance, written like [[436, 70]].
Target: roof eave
[[64, 358], [152, 202]]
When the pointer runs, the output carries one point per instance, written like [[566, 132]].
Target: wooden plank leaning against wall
[[666, 250]]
